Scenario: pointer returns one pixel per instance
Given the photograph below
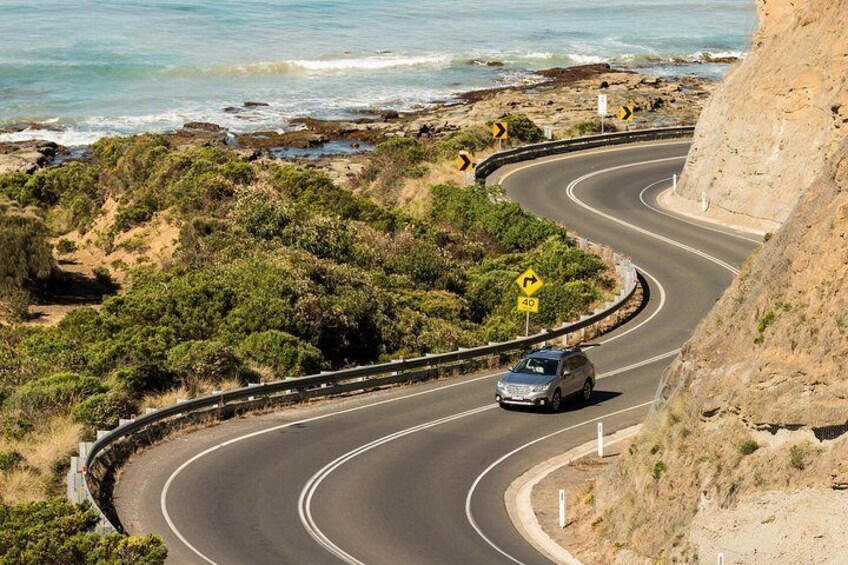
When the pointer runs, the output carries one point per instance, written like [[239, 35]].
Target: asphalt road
[[417, 474]]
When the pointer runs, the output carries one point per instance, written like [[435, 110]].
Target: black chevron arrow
[[467, 163], [501, 130], [626, 113], [533, 280]]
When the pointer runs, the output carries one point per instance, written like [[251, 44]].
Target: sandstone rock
[[780, 99], [253, 104]]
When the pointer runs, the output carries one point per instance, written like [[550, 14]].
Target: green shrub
[[207, 361], [327, 238], [43, 397], [25, 252], [9, 460], [659, 470], [261, 216], [522, 128], [65, 246], [764, 323], [472, 140], [798, 456], [483, 209], [748, 447], [14, 304], [281, 352], [590, 127], [56, 532], [102, 411]]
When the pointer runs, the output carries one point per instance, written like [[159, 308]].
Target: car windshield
[[536, 366]]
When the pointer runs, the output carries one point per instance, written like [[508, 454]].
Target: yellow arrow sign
[[528, 304], [529, 282], [500, 130], [626, 113], [465, 161]]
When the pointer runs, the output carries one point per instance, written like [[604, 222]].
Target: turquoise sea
[[76, 70]]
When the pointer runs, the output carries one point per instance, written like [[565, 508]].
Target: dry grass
[[172, 396], [45, 454]]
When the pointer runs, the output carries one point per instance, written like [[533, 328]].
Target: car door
[[571, 377]]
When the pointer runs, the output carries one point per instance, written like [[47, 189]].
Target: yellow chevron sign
[[500, 130], [465, 161], [626, 113]]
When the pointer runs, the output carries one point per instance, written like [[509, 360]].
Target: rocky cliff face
[[764, 136], [750, 442]]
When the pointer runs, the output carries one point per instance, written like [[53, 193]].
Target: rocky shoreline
[[560, 98]]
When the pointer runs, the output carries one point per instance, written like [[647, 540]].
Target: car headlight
[[541, 388], [501, 384]]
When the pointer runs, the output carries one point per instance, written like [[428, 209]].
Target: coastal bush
[[472, 139], [41, 398], [9, 460], [101, 411], [282, 353], [590, 127], [748, 447], [25, 251], [195, 362], [484, 210], [54, 531], [522, 128], [262, 216]]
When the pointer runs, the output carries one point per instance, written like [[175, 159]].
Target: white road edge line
[[164, 495], [308, 492], [181, 468], [690, 222], [470, 515], [306, 495], [669, 241], [573, 197]]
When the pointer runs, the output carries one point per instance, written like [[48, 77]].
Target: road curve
[[417, 474]]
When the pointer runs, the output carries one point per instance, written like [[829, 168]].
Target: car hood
[[527, 379]]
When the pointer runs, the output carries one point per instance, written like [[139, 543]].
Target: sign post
[[529, 283], [602, 109]]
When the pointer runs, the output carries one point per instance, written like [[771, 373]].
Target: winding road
[[417, 474]]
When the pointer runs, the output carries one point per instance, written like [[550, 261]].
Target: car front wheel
[[556, 401]]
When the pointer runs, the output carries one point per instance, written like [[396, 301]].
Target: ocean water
[[77, 70]]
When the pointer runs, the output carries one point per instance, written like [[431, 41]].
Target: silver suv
[[545, 376]]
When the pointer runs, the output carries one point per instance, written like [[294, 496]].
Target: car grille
[[517, 390]]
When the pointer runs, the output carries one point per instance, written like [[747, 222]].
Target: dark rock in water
[[573, 74], [253, 104], [232, 110], [494, 63], [303, 139], [390, 115], [203, 126]]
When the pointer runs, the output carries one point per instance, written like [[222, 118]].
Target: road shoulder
[[531, 498]]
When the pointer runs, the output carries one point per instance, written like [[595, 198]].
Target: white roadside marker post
[[549, 132], [561, 509], [674, 181], [600, 439], [720, 560]]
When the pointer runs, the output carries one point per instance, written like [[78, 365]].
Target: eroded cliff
[[764, 136], [747, 453]]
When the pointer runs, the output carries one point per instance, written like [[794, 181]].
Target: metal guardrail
[[370, 376], [528, 152]]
